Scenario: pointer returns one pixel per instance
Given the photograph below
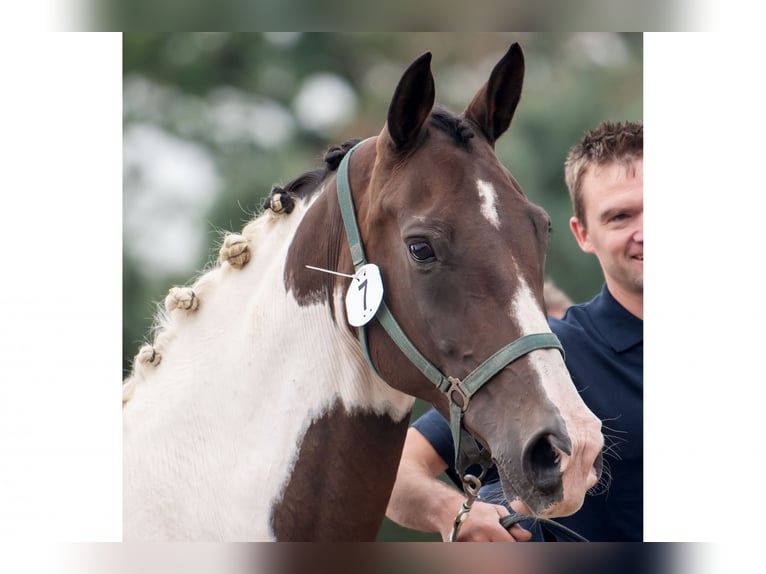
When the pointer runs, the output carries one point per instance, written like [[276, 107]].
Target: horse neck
[[342, 478], [339, 488], [330, 249], [247, 384]]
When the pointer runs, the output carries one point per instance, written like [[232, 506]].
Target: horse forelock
[[456, 127]]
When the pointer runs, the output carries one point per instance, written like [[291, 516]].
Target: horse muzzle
[[547, 454], [555, 474]]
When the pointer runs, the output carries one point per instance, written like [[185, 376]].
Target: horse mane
[[233, 251], [306, 184]]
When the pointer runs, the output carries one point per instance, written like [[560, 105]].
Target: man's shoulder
[[577, 329], [575, 320], [602, 317]]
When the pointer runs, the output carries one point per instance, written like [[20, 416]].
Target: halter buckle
[[471, 486], [456, 386]]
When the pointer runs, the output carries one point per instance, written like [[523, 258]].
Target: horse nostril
[[540, 460], [598, 465], [561, 442]]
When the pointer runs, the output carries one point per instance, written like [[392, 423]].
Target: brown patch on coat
[[341, 482], [321, 240]]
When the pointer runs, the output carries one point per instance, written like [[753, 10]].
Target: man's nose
[[638, 233]]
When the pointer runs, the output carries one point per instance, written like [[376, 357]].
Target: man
[[603, 340]]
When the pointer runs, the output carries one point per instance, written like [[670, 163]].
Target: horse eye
[[421, 252]]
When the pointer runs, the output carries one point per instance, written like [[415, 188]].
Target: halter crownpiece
[[458, 392]]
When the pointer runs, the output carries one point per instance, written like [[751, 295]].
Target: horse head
[[461, 252], [254, 414]]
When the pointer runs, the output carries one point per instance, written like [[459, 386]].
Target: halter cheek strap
[[458, 392]]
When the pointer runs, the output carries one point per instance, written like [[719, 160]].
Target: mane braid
[[307, 183]]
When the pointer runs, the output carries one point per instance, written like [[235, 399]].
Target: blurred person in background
[[556, 301], [603, 340]]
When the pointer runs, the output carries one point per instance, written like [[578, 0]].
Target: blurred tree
[[213, 120]]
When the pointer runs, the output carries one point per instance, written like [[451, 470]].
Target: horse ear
[[411, 103], [493, 105]]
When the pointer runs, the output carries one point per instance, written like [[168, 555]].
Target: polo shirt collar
[[615, 323]]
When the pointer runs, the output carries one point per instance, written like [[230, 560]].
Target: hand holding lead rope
[[471, 486]]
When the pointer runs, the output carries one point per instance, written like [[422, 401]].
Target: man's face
[[613, 230]]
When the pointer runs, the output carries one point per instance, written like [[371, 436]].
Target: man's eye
[[619, 217], [421, 252]]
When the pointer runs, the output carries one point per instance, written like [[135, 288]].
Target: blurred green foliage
[[237, 100]]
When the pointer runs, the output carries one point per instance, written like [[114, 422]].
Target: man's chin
[[636, 276], [633, 280]]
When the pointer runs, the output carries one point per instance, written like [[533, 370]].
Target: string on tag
[[328, 271]]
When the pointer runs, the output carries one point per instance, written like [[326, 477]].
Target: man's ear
[[580, 233]]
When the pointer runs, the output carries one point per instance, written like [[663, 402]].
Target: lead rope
[[469, 453], [471, 486], [553, 526]]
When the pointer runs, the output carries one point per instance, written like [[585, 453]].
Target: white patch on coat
[[212, 433], [488, 199]]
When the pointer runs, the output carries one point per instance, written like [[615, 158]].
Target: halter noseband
[[458, 392]]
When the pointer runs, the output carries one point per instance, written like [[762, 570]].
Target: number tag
[[364, 295]]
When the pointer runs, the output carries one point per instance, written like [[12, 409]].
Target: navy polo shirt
[[604, 346]]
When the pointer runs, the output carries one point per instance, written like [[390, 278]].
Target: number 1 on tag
[[363, 289], [364, 295]]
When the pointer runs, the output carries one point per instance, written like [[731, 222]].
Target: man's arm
[[421, 501]]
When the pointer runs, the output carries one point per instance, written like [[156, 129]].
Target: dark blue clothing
[[604, 345]]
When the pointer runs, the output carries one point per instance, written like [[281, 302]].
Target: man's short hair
[[610, 142]]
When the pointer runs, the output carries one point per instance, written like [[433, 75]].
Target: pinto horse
[[258, 412]]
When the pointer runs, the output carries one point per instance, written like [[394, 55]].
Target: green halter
[[458, 392]]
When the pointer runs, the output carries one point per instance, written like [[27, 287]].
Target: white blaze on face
[[527, 311], [582, 425], [547, 362], [488, 198]]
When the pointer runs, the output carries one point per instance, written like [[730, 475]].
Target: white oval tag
[[364, 295]]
